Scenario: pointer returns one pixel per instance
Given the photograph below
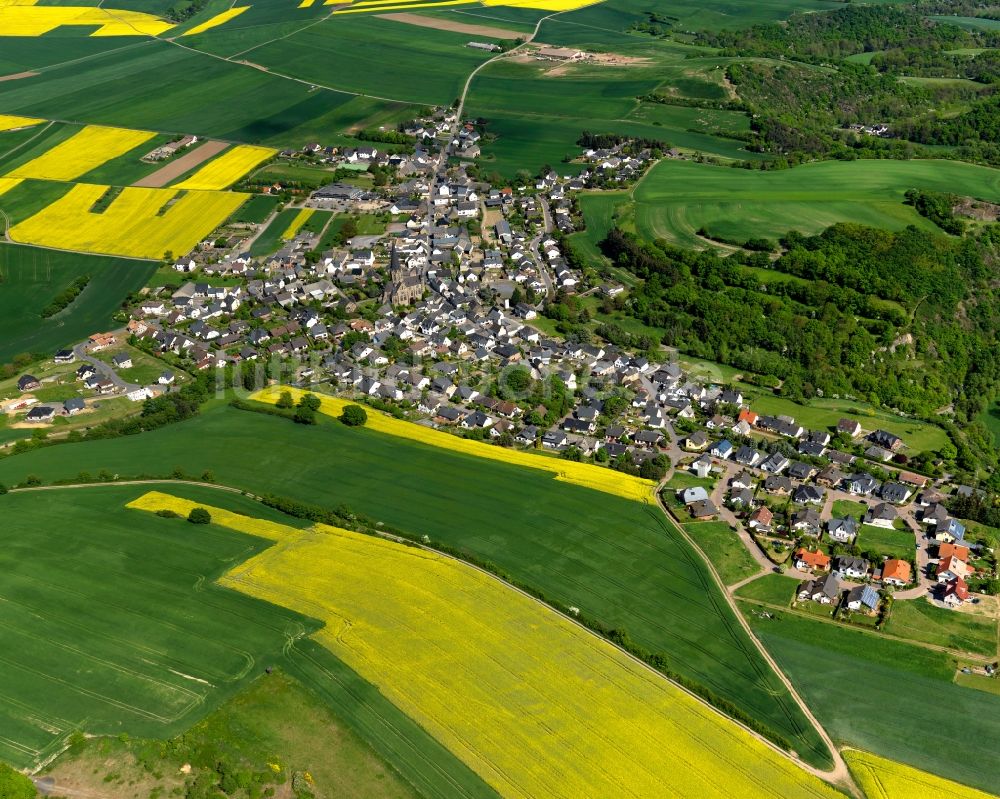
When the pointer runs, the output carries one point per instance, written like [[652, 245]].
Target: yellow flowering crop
[[885, 779], [6, 184], [8, 122], [156, 500], [533, 703], [296, 224], [218, 19], [28, 19], [544, 5], [380, 6], [229, 167], [81, 152], [588, 475], [138, 222]]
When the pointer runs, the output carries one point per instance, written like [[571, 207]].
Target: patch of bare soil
[[177, 167], [977, 209], [17, 76], [456, 27], [113, 776]]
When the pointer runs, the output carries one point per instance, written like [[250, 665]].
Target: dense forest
[[838, 34], [843, 330], [804, 100]]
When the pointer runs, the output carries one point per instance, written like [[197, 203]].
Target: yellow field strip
[[598, 478], [544, 5], [6, 184], [224, 171], [214, 22], [296, 224], [368, 8], [132, 225], [8, 122], [885, 779], [535, 704], [83, 151], [32, 20], [156, 500]]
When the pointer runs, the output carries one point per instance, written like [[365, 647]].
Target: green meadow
[[379, 57], [678, 198], [114, 626], [619, 562], [725, 549], [538, 114], [920, 620], [205, 95], [33, 277], [888, 697]]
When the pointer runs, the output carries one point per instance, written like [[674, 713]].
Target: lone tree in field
[[305, 412], [354, 416], [199, 516], [285, 400]]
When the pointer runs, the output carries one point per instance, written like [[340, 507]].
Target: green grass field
[[678, 198], [891, 698], [991, 418], [891, 543], [114, 625], [825, 412], [845, 507], [271, 239], [275, 720], [725, 549], [32, 277], [919, 620], [256, 210], [207, 96], [349, 53], [618, 561], [775, 589]]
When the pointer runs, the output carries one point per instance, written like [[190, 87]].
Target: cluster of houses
[[95, 378]]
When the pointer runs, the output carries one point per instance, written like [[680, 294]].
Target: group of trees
[[835, 333], [800, 112]]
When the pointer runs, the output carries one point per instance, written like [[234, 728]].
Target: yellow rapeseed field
[[8, 122], [544, 5], [885, 779], [27, 19], [6, 184], [218, 19], [535, 704], [132, 225], [81, 152], [296, 224], [588, 475], [156, 500], [226, 169], [380, 6]]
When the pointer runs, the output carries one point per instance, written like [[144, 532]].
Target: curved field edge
[[96, 594], [559, 711], [581, 474], [676, 199], [621, 562], [885, 779]]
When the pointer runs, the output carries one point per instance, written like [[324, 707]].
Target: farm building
[[561, 53]]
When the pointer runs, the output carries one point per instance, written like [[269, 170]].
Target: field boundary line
[[837, 775], [840, 774], [956, 653]]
